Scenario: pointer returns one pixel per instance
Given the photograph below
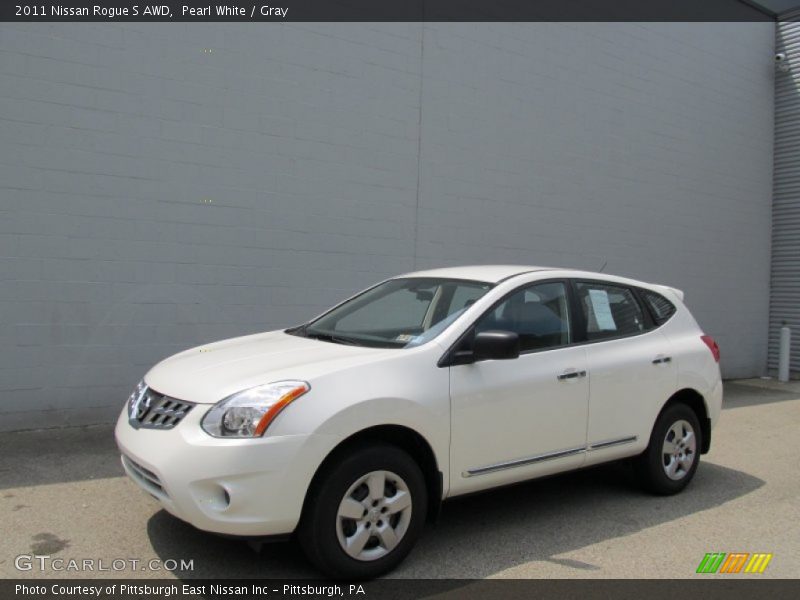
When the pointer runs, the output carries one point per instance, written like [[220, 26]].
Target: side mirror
[[496, 345]]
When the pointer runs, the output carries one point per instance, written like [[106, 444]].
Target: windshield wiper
[[327, 337]]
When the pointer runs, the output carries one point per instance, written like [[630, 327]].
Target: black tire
[[651, 466], [320, 525]]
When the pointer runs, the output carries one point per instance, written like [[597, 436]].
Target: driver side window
[[539, 314]]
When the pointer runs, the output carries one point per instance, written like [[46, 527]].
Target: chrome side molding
[[609, 443], [521, 462]]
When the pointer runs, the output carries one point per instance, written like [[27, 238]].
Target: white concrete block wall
[[643, 146], [164, 185]]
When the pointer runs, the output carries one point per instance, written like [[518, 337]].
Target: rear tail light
[[712, 345]]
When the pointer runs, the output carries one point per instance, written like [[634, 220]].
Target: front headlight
[[248, 413]]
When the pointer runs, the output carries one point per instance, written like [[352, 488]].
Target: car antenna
[[603, 267]]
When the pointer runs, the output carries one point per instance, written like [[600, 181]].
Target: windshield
[[399, 313]]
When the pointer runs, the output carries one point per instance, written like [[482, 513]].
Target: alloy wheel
[[679, 450], [373, 515]]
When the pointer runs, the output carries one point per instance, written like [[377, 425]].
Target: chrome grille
[[145, 477], [152, 410]]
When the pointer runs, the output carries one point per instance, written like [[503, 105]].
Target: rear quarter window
[[661, 308], [609, 310]]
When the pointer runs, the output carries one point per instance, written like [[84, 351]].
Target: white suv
[[351, 429]]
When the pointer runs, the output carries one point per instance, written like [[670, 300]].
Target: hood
[[207, 374]]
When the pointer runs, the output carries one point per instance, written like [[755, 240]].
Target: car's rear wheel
[[671, 458], [364, 512]]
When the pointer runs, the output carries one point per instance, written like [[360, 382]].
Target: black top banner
[[388, 10]]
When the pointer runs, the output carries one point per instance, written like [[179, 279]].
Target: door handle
[[570, 374], [661, 359]]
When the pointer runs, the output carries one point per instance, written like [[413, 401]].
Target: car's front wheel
[[364, 512], [671, 458]]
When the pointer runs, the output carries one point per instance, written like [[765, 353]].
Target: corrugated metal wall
[[785, 295]]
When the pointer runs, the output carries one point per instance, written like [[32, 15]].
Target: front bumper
[[243, 487]]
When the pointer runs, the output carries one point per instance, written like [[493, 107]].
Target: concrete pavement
[[62, 493]]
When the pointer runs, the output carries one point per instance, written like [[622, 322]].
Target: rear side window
[[609, 310], [661, 308]]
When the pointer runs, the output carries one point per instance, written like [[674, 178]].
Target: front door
[[524, 417]]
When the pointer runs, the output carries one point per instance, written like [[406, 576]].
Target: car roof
[[487, 273], [497, 273]]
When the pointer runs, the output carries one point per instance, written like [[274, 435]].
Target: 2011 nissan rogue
[[351, 429]]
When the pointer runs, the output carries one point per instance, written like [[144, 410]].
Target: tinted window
[[538, 314], [661, 308], [403, 308], [464, 296], [398, 313], [609, 310]]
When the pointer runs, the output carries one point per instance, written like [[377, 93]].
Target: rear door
[[631, 369]]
